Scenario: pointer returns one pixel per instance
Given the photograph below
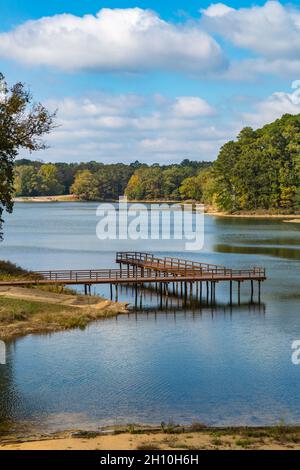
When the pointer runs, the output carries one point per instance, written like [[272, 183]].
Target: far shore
[[139, 437], [291, 218]]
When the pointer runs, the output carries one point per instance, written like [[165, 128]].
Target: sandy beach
[[210, 439]]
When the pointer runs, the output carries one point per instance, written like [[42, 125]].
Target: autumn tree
[[48, 181], [85, 186], [22, 126]]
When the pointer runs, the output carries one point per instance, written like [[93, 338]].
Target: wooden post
[[259, 291], [230, 292], [252, 291], [239, 292]]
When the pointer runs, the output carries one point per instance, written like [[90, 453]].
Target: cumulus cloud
[[190, 106], [127, 40], [125, 127], [154, 128], [271, 30], [274, 107], [217, 10]]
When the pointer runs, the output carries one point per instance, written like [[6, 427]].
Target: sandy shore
[[209, 439], [293, 218], [63, 198], [289, 217]]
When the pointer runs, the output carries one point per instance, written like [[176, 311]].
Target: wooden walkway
[[144, 268], [181, 268]]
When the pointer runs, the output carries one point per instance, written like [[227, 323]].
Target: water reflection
[[171, 357], [115, 370], [279, 252]]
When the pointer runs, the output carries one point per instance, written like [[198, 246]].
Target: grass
[[217, 442], [197, 426], [10, 271], [148, 446], [244, 443], [20, 316], [234, 438], [171, 428]]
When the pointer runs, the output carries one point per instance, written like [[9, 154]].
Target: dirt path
[[39, 295]]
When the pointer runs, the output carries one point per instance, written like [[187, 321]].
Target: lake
[[220, 365]]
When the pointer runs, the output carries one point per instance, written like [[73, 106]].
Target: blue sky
[[154, 81]]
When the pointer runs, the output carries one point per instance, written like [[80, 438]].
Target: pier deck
[[145, 268]]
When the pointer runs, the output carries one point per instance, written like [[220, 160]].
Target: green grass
[[20, 316], [244, 443], [148, 446], [217, 442], [21, 310]]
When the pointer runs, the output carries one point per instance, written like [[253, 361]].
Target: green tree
[[146, 184], [191, 188], [48, 182], [172, 179], [26, 181], [261, 169], [85, 186], [22, 125]]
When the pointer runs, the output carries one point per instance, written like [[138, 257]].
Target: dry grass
[[19, 317]]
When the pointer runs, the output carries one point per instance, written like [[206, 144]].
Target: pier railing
[[143, 268], [179, 265], [110, 275]]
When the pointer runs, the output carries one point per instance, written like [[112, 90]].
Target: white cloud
[[125, 127], [127, 40], [216, 9], [274, 107], [271, 30], [191, 106]]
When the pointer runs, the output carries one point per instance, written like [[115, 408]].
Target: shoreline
[[49, 312], [168, 437], [291, 218]]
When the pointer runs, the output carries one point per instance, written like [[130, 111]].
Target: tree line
[[97, 181], [260, 170]]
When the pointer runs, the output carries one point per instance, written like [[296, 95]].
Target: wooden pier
[[140, 269]]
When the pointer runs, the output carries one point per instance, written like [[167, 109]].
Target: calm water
[[220, 366]]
